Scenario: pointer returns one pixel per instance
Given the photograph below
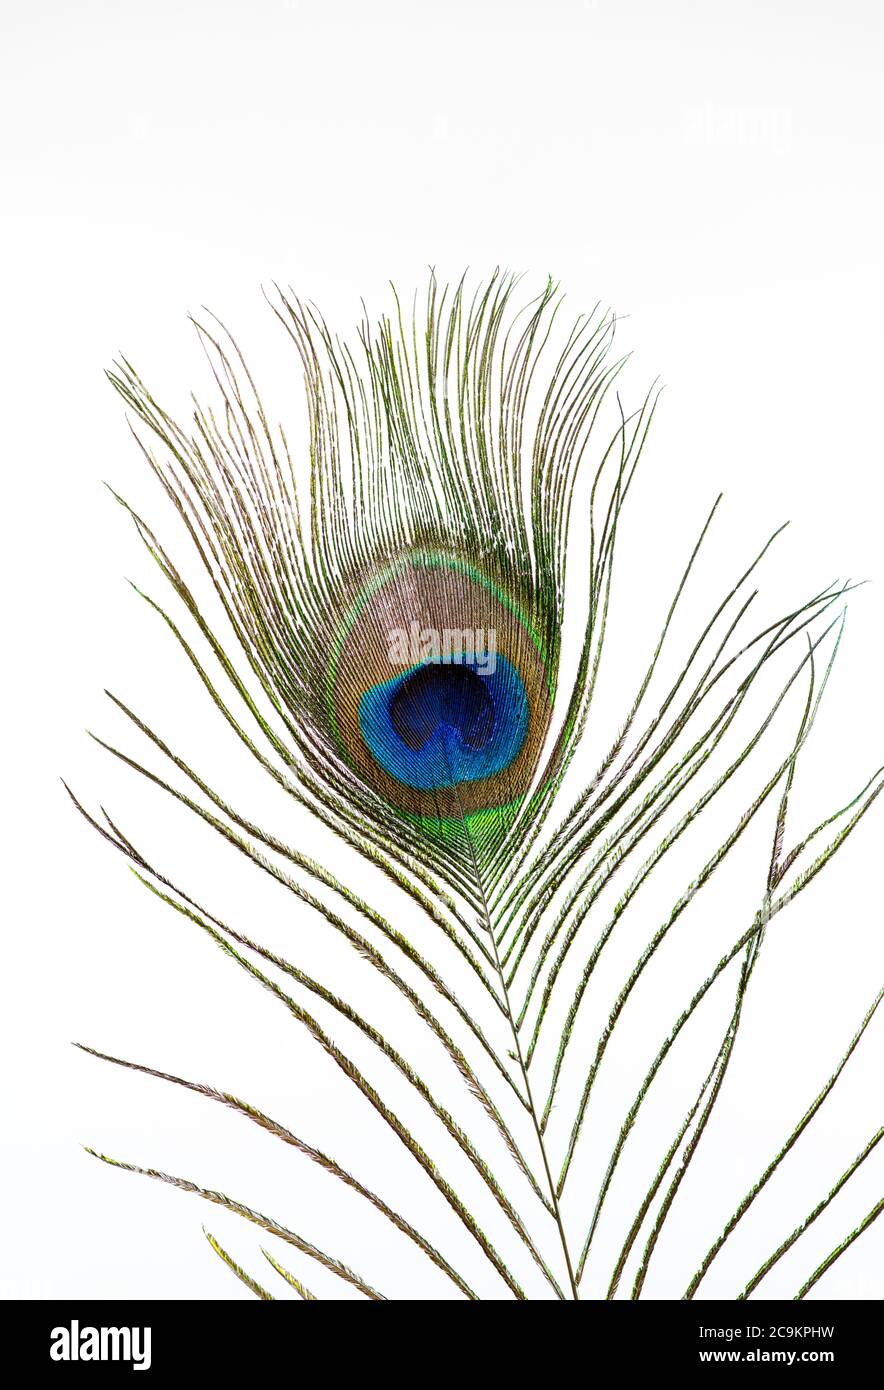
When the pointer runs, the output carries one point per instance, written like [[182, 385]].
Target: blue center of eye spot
[[441, 722]]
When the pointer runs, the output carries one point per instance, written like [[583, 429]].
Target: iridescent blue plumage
[[439, 723]]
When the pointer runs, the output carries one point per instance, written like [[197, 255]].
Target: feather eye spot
[[442, 724], [439, 692]]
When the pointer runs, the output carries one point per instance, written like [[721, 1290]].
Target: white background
[[713, 172]]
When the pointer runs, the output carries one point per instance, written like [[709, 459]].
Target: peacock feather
[[396, 588]]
